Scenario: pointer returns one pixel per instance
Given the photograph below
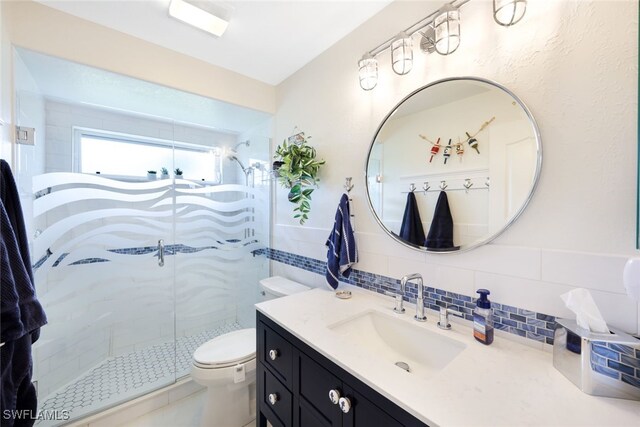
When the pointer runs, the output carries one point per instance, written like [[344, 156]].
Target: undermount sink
[[399, 342]]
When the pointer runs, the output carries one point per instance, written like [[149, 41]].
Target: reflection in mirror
[[453, 165]]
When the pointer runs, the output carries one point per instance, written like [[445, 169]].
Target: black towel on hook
[[21, 314], [440, 235], [411, 229]]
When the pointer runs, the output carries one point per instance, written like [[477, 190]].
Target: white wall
[[574, 63], [5, 90]]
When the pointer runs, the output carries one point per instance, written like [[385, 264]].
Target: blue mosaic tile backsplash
[[518, 321], [168, 250]]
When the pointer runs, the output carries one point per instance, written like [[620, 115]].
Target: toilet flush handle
[[273, 354]]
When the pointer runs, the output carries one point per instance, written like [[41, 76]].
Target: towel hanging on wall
[[21, 314], [411, 229], [342, 252], [441, 231]]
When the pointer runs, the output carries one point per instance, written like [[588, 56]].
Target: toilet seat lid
[[233, 347]]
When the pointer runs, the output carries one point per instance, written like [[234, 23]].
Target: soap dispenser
[[483, 318]]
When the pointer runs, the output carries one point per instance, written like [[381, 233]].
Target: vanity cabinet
[[297, 386]]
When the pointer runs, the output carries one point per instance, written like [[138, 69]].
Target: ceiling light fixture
[[197, 17], [508, 12]]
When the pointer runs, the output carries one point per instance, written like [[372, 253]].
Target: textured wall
[[574, 63]]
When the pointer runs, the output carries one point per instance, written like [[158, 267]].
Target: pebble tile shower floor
[[121, 378]]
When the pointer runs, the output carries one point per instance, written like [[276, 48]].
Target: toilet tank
[[277, 286]]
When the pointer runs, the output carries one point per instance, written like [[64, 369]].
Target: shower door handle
[[161, 253]]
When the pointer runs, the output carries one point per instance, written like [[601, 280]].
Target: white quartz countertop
[[503, 384]]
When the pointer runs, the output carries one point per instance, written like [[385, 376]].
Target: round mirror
[[453, 165]]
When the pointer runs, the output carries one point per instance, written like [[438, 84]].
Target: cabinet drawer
[[277, 354], [315, 383], [281, 405]]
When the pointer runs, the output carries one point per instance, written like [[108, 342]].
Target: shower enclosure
[[135, 269]]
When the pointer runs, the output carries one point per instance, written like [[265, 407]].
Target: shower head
[[234, 158], [247, 143]]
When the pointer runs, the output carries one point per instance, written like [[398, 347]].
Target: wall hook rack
[[467, 184]]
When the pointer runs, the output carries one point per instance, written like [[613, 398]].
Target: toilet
[[226, 365]]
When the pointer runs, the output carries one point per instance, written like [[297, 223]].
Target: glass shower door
[[222, 230], [107, 287]]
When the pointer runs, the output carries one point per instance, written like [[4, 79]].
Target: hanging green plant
[[298, 172]]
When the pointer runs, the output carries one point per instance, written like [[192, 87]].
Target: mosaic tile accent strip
[[123, 377], [168, 249], [617, 361], [517, 321]]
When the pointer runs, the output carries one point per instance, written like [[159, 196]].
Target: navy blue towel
[[11, 200], [21, 314], [440, 235], [411, 229], [18, 398], [342, 252], [20, 310]]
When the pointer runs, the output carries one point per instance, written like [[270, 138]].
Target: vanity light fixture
[[439, 32], [368, 71], [197, 17], [508, 12], [447, 30], [402, 53]]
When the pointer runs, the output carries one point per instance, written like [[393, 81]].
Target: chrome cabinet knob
[[334, 396], [345, 404], [273, 354], [273, 398]]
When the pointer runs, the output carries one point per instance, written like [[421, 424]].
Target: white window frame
[[79, 132]]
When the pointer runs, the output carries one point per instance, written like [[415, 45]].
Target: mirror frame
[[536, 177]]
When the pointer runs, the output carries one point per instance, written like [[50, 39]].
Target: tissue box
[[598, 364]]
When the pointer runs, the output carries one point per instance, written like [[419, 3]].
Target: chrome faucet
[[420, 317], [443, 323], [398, 296]]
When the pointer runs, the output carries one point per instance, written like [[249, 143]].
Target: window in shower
[[131, 156]]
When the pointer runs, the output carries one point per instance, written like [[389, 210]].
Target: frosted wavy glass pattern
[[98, 269]]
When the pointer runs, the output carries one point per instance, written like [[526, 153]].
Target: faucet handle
[[399, 307], [443, 323]]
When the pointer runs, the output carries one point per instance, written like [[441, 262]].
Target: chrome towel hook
[[467, 184], [443, 185], [348, 186], [426, 186], [412, 187], [488, 182]]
